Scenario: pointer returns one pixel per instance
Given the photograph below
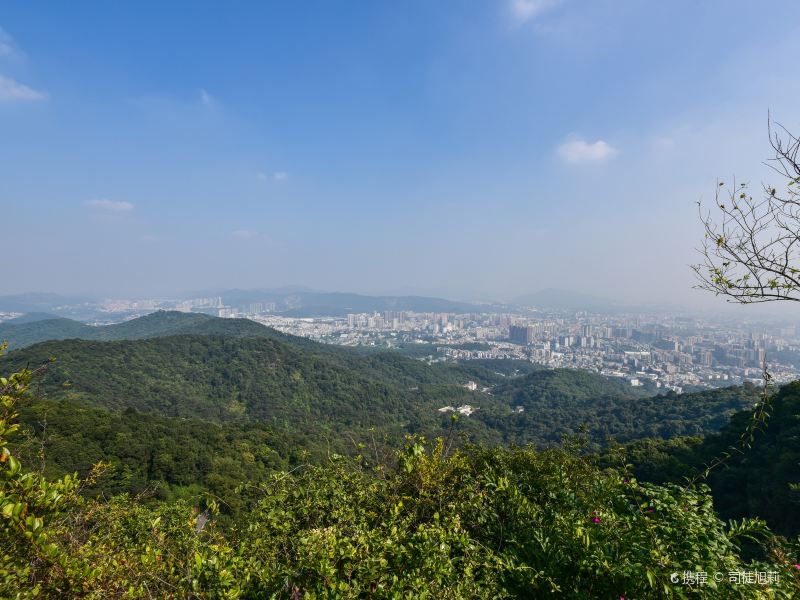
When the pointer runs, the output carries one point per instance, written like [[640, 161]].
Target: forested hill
[[225, 378], [25, 332], [760, 481], [290, 382], [565, 385], [555, 403]]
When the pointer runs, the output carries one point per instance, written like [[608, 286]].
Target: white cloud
[[206, 98], [6, 44], [111, 205], [244, 234], [276, 176], [523, 11], [578, 151], [12, 90]]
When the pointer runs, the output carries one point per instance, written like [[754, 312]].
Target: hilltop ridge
[[20, 334]]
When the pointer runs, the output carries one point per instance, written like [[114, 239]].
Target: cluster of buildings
[[669, 352], [657, 350], [662, 351]]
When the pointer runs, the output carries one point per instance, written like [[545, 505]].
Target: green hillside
[[559, 402], [23, 333], [762, 481], [223, 378], [561, 384], [19, 335], [227, 453], [335, 395], [286, 382]]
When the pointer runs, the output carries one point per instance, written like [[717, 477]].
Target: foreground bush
[[479, 523]]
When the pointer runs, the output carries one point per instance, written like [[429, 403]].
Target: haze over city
[[478, 150]]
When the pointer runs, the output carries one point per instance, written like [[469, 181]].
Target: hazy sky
[[463, 149]]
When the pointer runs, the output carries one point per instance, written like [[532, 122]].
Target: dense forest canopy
[[431, 523]]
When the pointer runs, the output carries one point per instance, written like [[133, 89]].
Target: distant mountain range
[[302, 302], [287, 301], [39, 302], [309, 304], [555, 299]]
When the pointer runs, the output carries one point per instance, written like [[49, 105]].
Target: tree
[[750, 249]]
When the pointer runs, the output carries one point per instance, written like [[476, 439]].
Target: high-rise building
[[523, 334]]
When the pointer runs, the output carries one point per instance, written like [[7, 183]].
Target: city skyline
[[478, 151], [646, 350]]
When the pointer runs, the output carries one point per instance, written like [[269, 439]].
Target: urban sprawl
[[659, 351]]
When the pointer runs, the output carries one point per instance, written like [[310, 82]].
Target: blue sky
[[464, 149]]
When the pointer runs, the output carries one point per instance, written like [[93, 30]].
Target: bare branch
[[750, 248]]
